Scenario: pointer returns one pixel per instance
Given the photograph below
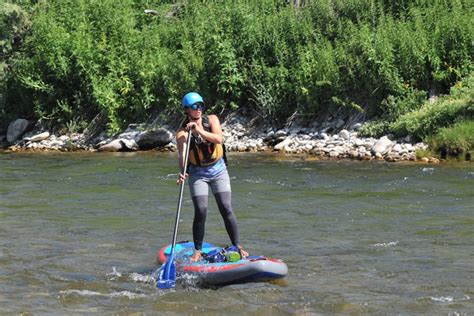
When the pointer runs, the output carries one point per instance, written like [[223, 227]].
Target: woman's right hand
[[181, 178]]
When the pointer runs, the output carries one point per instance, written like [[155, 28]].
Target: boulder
[[358, 142], [397, 148], [154, 138], [323, 136], [16, 129], [344, 134], [114, 145], [356, 126], [382, 146], [280, 133], [283, 145], [39, 137], [129, 145]]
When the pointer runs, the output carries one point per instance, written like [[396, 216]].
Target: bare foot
[[197, 255], [244, 253]]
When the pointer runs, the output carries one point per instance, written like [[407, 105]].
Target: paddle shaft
[[181, 191]]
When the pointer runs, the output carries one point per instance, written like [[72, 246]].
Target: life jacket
[[204, 153]]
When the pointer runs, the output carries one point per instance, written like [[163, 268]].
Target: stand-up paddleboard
[[250, 269]]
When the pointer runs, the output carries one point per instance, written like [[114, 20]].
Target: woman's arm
[[215, 135], [181, 141]]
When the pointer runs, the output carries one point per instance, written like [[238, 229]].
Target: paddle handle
[[181, 191]]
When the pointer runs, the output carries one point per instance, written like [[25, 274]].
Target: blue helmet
[[192, 98]]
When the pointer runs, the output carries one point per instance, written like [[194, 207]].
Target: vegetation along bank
[[307, 73]]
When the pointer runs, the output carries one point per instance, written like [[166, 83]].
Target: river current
[[79, 235]]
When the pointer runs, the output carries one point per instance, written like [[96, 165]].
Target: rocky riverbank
[[329, 140]]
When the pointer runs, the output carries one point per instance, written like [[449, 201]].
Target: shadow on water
[[79, 234]]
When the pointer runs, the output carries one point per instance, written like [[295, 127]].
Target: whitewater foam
[[386, 244], [128, 294]]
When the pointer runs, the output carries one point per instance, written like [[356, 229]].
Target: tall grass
[[446, 111], [455, 139]]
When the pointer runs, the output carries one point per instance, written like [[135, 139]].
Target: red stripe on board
[[206, 269]]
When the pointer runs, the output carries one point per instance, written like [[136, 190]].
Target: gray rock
[[339, 149], [39, 137], [241, 148], [16, 129], [356, 126], [56, 144], [129, 144], [382, 146], [280, 133], [353, 154], [397, 148], [114, 145], [344, 134], [359, 142], [323, 136], [409, 147], [129, 135], [270, 135], [308, 147], [34, 145], [283, 145], [154, 138]]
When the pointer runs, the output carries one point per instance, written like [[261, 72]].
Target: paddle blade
[[167, 276]]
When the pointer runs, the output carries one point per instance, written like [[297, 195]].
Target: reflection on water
[[79, 234]]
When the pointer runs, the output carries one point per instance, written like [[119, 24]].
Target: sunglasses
[[196, 106]]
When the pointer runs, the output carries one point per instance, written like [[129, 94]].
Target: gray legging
[[200, 211]]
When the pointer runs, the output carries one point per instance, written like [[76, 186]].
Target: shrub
[[454, 139], [446, 111], [82, 58]]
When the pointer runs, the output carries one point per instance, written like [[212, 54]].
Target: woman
[[206, 168]]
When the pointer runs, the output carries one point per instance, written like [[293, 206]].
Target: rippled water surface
[[79, 235]]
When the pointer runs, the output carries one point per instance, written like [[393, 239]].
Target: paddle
[[167, 276]]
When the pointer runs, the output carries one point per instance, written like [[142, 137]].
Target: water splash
[[449, 299], [442, 299], [189, 281], [386, 244], [284, 184], [143, 278], [253, 181], [127, 294], [183, 281], [114, 274]]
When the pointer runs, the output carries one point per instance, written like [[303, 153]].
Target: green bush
[[455, 139], [446, 111], [375, 128], [82, 58]]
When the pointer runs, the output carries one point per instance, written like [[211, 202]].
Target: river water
[[79, 235]]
